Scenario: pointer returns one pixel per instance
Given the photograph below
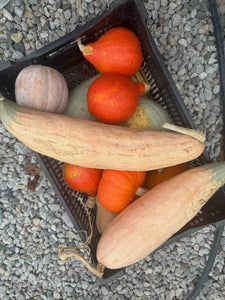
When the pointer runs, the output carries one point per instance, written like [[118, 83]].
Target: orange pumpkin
[[113, 98], [42, 88], [116, 189], [81, 179], [116, 51], [157, 176]]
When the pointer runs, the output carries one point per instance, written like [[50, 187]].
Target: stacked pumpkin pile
[[114, 147], [114, 97]]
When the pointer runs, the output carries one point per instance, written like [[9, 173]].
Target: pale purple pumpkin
[[42, 88]]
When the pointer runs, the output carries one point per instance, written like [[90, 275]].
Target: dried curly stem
[[65, 255], [88, 240], [90, 203], [196, 134]]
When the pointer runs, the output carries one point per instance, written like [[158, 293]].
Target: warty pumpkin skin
[[42, 88], [113, 98], [96, 145], [152, 219], [148, 114], [117, 189], [116, 51]]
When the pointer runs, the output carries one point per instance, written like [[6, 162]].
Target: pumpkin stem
[[160, 171], [86, 50], [141, 78], [65, 255], [90, 203], [141, 191], [147, 88], [198, 135]]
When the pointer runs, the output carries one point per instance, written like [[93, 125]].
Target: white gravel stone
[[203, 75], [7, 14], [183, 42]]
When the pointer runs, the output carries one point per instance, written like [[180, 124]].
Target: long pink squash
[[96, 145], [152, 219]]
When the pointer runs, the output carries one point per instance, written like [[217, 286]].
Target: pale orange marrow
[[96, 145], [153, 218], [103, 217]]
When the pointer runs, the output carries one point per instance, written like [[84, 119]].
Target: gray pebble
[[203, 75], [54, 207], [20, 47], [204, 29], [200, 46], [47, 14], [181, 72], [182, 42], [216, 90], [46, 259], [67, 220], [7, 14], [3, 3], [52, 25], [164, 3], [66, 6], [67, 14], [44, 35], [84, 285], [176, 19], [208, 94], [3, 37], [33, 2], [211, 69], [193, 13], [44, 213], [19, 11]]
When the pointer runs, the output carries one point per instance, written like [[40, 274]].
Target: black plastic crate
[[65, 56]]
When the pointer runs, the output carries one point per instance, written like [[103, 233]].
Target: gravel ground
[[32, 221]]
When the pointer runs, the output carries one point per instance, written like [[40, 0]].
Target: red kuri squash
[[81, 179], [113, 98], [118, 51]]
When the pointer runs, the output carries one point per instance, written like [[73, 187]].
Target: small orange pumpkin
[[117, 189], [81, 179], [116, 51], [113, 98], [157, 176], [42, 88]]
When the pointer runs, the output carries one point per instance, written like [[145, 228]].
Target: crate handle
[[65, 255]]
